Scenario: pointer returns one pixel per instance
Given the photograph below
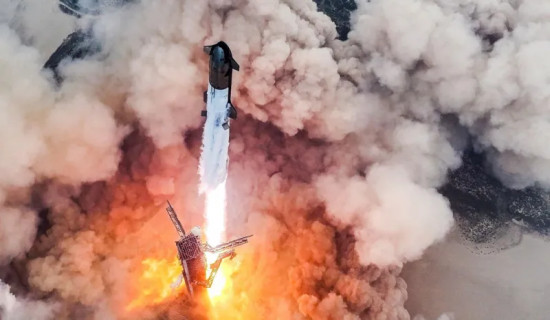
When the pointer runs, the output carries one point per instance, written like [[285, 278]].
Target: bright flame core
[[215, 233], [215, 214]]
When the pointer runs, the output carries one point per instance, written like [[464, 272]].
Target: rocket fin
[[234, 64], [232, 112]]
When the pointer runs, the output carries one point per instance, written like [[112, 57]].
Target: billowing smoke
[[12, 308], [336, 157]]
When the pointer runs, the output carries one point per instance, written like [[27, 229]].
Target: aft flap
[[234, 64], [232, 111]]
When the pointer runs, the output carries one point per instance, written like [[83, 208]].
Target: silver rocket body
[[215, 139], [219, 111]]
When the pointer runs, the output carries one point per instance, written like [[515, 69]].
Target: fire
[[219, 281], [215, 214], [155, 282], [157, 275], [215, 234]]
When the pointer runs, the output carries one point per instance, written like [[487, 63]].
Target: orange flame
[[219, 281], [157, 275], [155, 282]]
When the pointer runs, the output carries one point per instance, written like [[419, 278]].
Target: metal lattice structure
[[191, 253], [189, 247], [174, 217], [227, 246]]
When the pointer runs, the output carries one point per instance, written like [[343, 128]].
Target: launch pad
[[192, 255]]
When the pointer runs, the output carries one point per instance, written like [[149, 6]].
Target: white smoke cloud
[[14, 243], [13, 308], [496, 92], [388, 231], [44, 135], [28, 19]]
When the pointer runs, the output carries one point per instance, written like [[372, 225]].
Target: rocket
[[218, 95], [219, 111]]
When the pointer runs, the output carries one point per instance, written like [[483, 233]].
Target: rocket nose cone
[[218, 57], [220, 68]]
